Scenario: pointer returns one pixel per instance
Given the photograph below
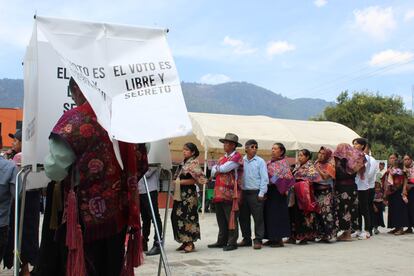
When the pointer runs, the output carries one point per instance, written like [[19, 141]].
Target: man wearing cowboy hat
[[227, 193]]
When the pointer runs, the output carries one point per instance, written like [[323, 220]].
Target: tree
[[382, 120]]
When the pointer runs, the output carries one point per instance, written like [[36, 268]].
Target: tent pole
[[22, 207], [203, 203], [16, 262], [18, 223], [296, 156], [165, 218], [167, 268]]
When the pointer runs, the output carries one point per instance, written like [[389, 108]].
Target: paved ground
[[383, 254]]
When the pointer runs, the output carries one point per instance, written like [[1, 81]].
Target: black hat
[[17, 135], [231, 137], [250, 142]]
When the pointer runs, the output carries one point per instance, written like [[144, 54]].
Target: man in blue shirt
[[254, 188], [8, 172]]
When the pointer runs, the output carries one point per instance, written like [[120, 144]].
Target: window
[[18, 125], [1, 138]]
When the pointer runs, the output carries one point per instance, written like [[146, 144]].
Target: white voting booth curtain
[[294, 134], [127, 74]]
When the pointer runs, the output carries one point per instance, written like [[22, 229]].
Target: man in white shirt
[[371, 182], [363, 181]]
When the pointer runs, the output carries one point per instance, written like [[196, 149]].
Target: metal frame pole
[[163, 255], [165, 218], [23, 206], [18, 224], [203, 203]]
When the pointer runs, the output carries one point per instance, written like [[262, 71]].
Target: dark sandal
[[181, 248], [268, 243], [291, 241], [399, 232], [303, 242], [344, 238], [392, 231], [189, 248]]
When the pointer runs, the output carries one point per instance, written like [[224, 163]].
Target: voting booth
[[126, 73]]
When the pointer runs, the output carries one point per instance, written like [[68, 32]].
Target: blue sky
[[313, 48]]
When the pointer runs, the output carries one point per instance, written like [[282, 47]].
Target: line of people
[[341, 196], [93, 203]]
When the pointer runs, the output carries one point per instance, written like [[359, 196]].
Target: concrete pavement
[[383, 255]]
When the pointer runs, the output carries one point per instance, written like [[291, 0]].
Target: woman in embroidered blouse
[[276, 214], [394, 181], [326, 218], [184, 216], [409, 191], [348, 161], [303, 212]]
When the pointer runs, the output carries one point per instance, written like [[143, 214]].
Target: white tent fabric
[[294, 134]]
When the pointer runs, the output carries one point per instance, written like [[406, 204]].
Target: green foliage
[[382, 120]]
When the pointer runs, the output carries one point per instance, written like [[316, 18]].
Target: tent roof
[[294, 134]]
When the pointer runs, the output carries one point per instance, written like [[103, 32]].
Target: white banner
[[126, 73]]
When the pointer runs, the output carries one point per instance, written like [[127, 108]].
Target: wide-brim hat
[[17, 135], [231, 137]]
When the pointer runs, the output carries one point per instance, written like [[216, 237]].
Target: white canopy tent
[[294, 134]]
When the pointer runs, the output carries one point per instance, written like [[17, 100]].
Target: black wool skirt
[[397, 211], [276, 215]]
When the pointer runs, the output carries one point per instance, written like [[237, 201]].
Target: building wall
[[10, 118]]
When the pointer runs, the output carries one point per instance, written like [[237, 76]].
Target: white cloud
[[214, 78], [18, 37], [409, 15], [376, 21], [320, 3], [239, 47], [390, 57], [279, 47]]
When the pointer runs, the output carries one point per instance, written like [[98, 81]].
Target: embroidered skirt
[[184, 216], [303, 225], [326, 218], [346, 197]]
